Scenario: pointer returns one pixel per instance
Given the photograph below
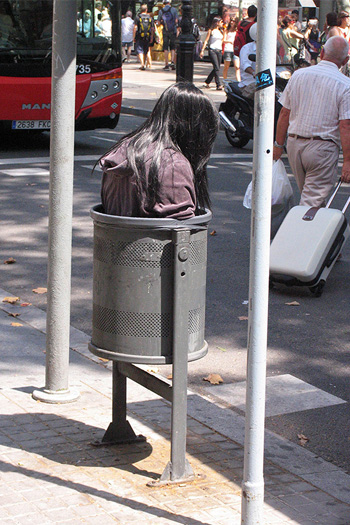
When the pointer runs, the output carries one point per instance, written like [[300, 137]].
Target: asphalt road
[[309, 341]]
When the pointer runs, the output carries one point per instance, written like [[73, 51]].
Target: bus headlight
[[94, 94], [104, 88], [116, 84]]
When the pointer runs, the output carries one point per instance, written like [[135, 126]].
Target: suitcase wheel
[[317, 289]]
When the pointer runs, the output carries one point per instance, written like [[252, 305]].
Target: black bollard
[[185, 45]]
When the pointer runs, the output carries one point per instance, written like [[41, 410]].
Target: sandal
[[219, 88], [205, 85]]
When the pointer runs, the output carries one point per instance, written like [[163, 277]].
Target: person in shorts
[[168, 18], [143, 34], [228, 41], [127, 35]]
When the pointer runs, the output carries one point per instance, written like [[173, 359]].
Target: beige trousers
[[314, 165]]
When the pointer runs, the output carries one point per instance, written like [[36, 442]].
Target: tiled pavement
[[51, 473]]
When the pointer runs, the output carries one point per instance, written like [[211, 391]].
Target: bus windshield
[[26, 36]]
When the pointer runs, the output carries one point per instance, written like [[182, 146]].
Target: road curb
[[138, 112]]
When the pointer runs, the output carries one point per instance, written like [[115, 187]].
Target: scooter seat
[[235, 88], [237, 91]]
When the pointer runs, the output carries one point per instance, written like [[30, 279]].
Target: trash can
[[133, 287]]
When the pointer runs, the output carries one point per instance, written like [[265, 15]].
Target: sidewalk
[[50, 473], [141, 89]]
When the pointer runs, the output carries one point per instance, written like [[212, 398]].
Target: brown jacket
[[177, 197]]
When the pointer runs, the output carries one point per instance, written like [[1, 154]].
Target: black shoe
[[173, 67], [166, 68]]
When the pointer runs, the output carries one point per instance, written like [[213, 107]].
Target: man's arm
[[344, 128], [245, 64], [281, 132]]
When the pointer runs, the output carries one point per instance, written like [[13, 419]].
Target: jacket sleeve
[[177, 198]]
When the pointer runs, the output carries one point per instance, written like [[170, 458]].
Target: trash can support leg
[[179, 469], [119, 430]]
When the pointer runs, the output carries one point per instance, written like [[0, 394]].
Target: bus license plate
[[31, 124]]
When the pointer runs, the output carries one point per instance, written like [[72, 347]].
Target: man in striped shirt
[[316, 115]]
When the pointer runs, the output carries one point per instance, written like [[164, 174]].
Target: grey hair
[[337, 48]]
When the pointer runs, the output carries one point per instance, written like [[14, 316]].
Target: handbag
[[282, 199]]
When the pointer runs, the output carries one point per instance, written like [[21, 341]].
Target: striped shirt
[[317, 97]]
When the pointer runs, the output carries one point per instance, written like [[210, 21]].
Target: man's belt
[[308, 138]]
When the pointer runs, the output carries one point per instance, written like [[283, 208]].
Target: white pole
[[253, 480], [60, 206]]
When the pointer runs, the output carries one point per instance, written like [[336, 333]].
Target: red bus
[[25, 64]]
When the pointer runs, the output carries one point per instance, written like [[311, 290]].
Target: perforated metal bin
[[133, 287]]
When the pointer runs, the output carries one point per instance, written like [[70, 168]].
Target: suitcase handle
[[334, 194], [346, 205]]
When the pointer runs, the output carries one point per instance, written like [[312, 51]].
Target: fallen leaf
[[13, 315], [153, 370], [213, 232], [11, 300], [39, 290], [243, 318], [293, 303], [303, 439], [16, 324], [25, 304], [104, 360], [214, 379], [170, 376], [222, 349], [10, 260]]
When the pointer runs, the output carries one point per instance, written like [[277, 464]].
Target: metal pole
[[326, 6], [60, 208], [179, 469], [240, 9], [185, 47], [253, 480]]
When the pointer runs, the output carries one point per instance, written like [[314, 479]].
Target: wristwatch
[[281, 146]]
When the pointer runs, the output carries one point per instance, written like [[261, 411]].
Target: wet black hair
[[183, 119]]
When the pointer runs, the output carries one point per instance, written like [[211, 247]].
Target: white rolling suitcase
[[307, 245]]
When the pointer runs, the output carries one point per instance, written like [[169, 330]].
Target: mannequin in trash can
[[160, 170]]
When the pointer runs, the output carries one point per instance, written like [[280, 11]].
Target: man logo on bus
[[36, 106]]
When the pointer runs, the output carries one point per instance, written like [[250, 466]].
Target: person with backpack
[[169, 19], [242, 34], [143, 34]]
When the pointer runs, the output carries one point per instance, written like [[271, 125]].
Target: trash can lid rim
[[144, 222]]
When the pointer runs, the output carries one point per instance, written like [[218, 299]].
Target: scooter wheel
[[236, 140]]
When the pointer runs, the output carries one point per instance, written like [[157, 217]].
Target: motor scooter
[[237, 112]]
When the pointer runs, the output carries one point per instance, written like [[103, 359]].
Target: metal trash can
[[133, 287]]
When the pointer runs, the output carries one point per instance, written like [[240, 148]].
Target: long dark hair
[[215, 22], [232, 24], [185, 120]]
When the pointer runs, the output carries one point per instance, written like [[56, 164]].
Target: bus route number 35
[[82, 69]]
